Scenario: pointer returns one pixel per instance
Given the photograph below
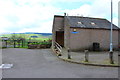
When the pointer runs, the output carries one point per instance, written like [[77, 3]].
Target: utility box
[[96, 46]]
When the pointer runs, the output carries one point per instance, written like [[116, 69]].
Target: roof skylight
[[92, 23], [79, 22]]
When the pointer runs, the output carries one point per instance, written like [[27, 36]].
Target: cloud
[[72, 1], [115, 21], [83, 10], [37, 15], [98, 8], [45, 27], [24, 14]]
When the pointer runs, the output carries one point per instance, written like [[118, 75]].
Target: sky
[[18, 16]]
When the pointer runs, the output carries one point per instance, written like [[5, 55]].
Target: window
[[79, 22], [92, 23]]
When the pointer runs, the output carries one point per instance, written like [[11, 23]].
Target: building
[[80, 33]]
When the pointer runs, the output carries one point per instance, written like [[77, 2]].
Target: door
[[60, 38]]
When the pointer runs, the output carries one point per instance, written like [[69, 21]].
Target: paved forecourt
[[43, 63]]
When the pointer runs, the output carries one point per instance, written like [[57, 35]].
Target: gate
[[12, 43]]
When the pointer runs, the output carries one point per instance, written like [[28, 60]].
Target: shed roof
[[88, 22]]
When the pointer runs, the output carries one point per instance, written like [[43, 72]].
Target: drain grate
[[6, 66]]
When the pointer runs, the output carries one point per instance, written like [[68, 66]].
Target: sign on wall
[[74, 32]]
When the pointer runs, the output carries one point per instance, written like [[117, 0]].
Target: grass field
[[28, 38]]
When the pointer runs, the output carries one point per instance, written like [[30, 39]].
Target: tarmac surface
[[94, 58], [43, 63]]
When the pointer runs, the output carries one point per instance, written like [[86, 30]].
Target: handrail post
[[111, 57], [86, 55], [69, 56], [58, 47], [53, 45]]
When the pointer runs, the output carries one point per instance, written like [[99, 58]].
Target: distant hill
[[44, 34], [28, 34]]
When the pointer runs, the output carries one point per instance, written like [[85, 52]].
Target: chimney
[[64, 14]]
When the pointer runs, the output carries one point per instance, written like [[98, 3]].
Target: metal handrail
[[58, 46]]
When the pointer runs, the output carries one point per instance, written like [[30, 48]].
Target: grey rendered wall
[[0, 58], [86, 37], [119, 21], [119, 37], [66, 33], [57, 26]]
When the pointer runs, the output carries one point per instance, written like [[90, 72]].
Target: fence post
[[18, 43], [111, 57], [22, 43], [6, 43], [14, 43], [69, 56], [86, 56], [28, 43]]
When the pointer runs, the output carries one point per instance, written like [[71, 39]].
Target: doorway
[[60, 38]]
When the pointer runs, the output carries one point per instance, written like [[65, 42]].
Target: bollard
[[111, 57], [86, 55], [69, 56]]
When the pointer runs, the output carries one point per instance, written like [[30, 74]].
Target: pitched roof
[[87, 22]]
